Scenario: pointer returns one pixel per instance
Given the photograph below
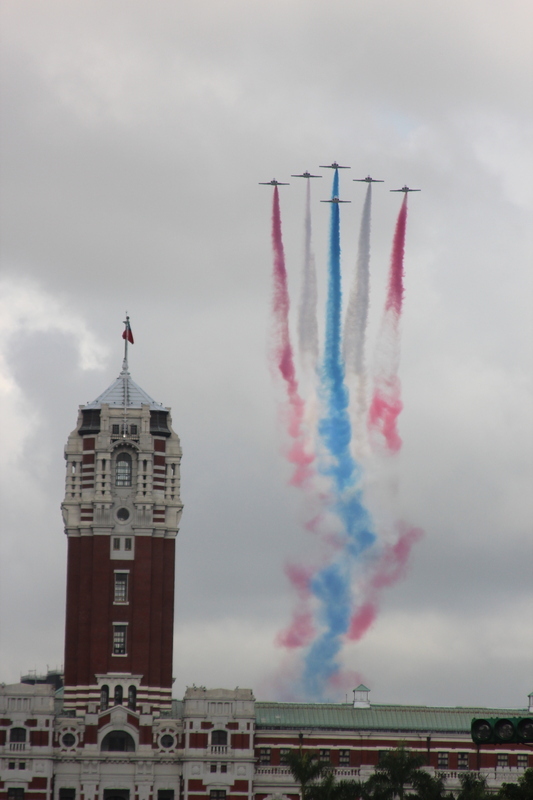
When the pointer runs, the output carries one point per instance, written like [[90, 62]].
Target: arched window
[[118, 695], [123, 470], [219, 737], [118, 741], [104, 698], [17, 735], [132, 698]]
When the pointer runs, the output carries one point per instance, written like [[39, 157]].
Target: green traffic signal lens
[[481, 730], [525, 730], [504, 730]]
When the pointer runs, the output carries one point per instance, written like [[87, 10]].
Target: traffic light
[[502, 730]]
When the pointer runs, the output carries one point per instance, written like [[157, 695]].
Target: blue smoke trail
[[331, 585]]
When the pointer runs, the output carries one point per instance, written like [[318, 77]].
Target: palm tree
[[330, 789], [430, 787], [397, 769], [306, 768], [521, 790], [473, 787]]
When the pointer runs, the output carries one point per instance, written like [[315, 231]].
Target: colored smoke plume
[[386, 404], [355, 323], [390, 568], [301, 630], [283, 355], [307, 319]]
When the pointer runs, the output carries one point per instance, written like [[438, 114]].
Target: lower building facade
[[221, 744]]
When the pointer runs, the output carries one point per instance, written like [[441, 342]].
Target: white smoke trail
[[307, 320], [356, 322]]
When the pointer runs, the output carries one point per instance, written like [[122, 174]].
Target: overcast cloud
[[133, 138]]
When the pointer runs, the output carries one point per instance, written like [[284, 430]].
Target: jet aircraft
[[332, 166], [306, 175], [273, 182], [368, 179], [335, 200], [405, 189]]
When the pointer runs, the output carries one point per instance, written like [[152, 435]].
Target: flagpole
[[125, 371], [126, 339]]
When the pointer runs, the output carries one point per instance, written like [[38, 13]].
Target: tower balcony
[[125, 435]]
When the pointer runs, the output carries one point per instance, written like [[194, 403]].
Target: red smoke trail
[[301, 630], [386, 403], [395, 293], [390, 568], [283, 355]]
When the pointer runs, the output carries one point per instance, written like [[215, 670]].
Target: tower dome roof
[[124, 393]]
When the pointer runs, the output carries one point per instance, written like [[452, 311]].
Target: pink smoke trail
[[283, 355], [386, 403], [390, 568], [301, 630]]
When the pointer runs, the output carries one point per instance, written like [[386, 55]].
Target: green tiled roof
[[330, 716]]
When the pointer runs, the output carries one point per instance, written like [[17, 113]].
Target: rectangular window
[[22, 765], [67, 794], [127, 544], [115, 430], [502, 760], [119, 640], [283, 753], [223, 767], [14, 793], [442, 760], [344, 758], [213, 768], [11, 765], [324, 755], [121, 587], [217, 794], [116, 543], [133, 430], [165, 794], [521, 761], [264, 755], [462, 761]]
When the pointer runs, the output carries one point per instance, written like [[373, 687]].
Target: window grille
[[121, 587], [442, 760], [123, 470], [119, 640], [344, 758], [462, 761]]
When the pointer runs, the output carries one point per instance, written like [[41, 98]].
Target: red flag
[[128, 334]]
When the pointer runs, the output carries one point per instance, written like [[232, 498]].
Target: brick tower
[[121, 512]]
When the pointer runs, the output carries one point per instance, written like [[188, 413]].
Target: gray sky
[[133, 138]]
